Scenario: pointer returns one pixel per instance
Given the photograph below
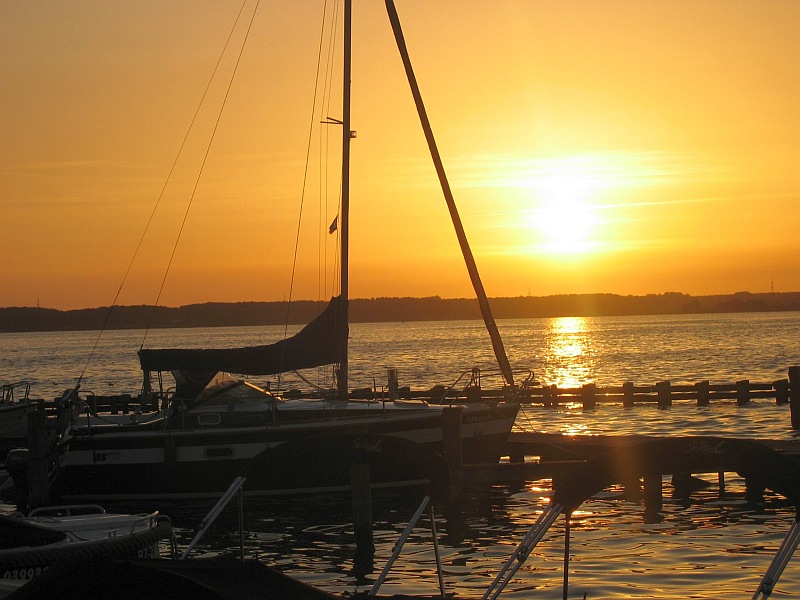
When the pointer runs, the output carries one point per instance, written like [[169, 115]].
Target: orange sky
[[615, 146]]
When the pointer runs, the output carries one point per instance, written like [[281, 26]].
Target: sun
[[565, 218]]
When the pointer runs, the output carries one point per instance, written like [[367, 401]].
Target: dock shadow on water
[[712, 544]]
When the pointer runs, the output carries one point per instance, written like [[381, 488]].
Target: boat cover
[[322, 342]]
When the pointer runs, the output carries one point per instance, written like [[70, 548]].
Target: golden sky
[[629, 147]]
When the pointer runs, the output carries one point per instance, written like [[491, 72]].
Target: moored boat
[[208, 435], [15, 404], [196, 449], [31, 544]]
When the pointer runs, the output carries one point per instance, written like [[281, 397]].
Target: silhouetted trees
[[373, 310]]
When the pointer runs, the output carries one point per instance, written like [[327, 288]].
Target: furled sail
[[321, 342]]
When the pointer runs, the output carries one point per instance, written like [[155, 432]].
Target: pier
[[664, 393]]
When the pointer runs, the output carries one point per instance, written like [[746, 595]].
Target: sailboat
[[208, 433]]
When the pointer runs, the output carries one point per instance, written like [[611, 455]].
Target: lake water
[[711, 547]]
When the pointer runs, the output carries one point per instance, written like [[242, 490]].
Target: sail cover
[[321, 342]]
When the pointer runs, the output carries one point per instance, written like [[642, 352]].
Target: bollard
[[794, 396]]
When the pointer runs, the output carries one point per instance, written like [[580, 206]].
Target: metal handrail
[[213, 514], [520, 555], [7, 391], [779, 562], [402, 540]]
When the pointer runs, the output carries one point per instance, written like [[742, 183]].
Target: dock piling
[[453, 453], [589, 395], [360, 481], [701, 389], [794, 396], [653, 499], [664, 393], [39, 447], [743, 392], [781, 388], [627, 394]]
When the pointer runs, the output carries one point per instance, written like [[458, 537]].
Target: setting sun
[[567, 224], [565, 196]]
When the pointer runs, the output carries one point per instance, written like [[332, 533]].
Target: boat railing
[[125, 403], [147, 520], [67, 510], [469, 385], [9, 392]]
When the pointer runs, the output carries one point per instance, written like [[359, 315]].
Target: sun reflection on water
[[568, 352]]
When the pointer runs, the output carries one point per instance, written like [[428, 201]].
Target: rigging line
[[305, 182], [202, 166], [155, 206]]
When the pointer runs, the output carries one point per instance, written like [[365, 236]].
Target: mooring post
[[360, 481], [453, 453], [589, 395], [627, 394], [39, 447], [664, 393], [753, 491], [742, 392], [653, 500], [781, 388], [701, 388], [550, 395], [794, 396]]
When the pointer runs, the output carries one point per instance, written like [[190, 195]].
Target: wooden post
[[589, 395], [664, 393], [633, 488], [364, 559], [781, 388], [754, 491], [701, 388], [550, 396], [653, 501], [627, 394], [794, 396], [742, 392], [453, 453], [38, 471]]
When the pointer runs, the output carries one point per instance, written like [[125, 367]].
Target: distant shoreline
[[377, 310]]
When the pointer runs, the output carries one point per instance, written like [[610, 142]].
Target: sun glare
[[565, 217]]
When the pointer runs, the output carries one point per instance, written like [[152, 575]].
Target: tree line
[[374, 310]]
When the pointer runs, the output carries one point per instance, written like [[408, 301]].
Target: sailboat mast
[[488, 319], [344, 216]]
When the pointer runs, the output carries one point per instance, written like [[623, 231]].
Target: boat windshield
[[233, 392]]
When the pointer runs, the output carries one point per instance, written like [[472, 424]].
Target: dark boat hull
[[135, 462]]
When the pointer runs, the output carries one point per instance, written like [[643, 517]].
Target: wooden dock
[[664, 393]]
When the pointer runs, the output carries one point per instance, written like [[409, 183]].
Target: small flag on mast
[[335, 225]]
